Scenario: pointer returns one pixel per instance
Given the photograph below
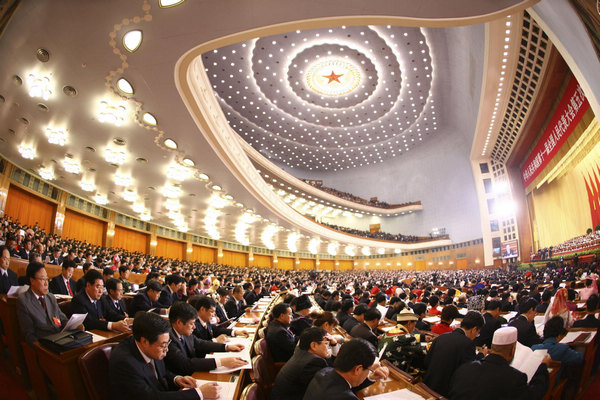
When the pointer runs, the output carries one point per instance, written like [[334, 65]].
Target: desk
[[62, 369]]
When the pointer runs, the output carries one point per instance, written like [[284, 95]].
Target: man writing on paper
[[137, 369], [494, 378], [186, 352], [204, 329]]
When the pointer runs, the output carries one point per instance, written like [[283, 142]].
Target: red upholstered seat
[[94, 371]]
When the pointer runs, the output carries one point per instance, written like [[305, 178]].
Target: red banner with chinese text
[[566, 117]]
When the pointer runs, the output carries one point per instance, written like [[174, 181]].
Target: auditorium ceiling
[[90, 99]]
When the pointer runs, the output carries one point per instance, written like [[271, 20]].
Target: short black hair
[[32, 269], [380, 297], [149, 326], [92, 276], [419, 308], [108, 271], [355, 352], [360, 309], [473, 319], [310, 335], [86, 266], [449, 312], [202, 302], [279, 309], [123, 268], [546, 295], [372, 314], [303, 303], [591, 303], [153, 285], [4, 247], [223, 291], [183, 312], [554, 327], [173, 279], [347, 305], [526, 304], [68, 264], [111, 284], [494, 305]]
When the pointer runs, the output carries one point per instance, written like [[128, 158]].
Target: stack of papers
[[579, 337], [244, 354], [527, 360], [227, 388]]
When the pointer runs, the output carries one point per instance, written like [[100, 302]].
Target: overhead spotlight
[[112, 113], [169, 3], [170, 143], [87, 185], [71, 165], [132, 40], [39, 86], [149, 119], [124, 86], [27, 151], [56, 135], [47, 173], [101, 199], [122, 179], [114, 155]]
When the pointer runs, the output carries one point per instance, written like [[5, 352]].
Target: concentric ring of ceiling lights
[[385, 109]]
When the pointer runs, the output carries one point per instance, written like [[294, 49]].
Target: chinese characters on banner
[[566, 117]]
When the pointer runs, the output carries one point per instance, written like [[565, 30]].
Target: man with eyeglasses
[[112, 302], [88, 301], [8, 277], [137, 370], [37, 309]]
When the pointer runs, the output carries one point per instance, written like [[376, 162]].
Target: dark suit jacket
[[493, 378], [112, 313], [80, 284], [131, 378], [34, 322], [12, 280], [280, 340], [487, 331], [141, 302], [329, 385], [350, 323], [23, 254], [298, 325], [251, 297], [220, 311], [342, 317], [527, 335], [293, 379], [210, 331], [56, 261], [187, 357], [57, 285], [448, 352], [167, 298], [95, 319], [233, 308], [362, 330]]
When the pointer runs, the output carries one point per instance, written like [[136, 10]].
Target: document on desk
[[403, 394], [246, 320], [432, 320], [227, 388], [244, 355], [96, 338], [582, 337], [527, 360], [74, 322]]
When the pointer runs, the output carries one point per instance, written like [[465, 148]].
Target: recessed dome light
[[189, 162], [124, 86], [132, 40], [204, 177], [170, 143], [169, 3], [149, 119], [216, 187]]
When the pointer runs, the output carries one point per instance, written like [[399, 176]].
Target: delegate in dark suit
[[185, 356], [493, 378], [350, 323], [132, 378], [251, 297], [233, 308], [167, 297], [298, 325], [210, 331], [81, 304], [293, 379], [487, 330], [141, 302], [280, 340], [7, 280], [448, 352], [527, 335], [329, 385], [57, 286], [114, 311], [362, 330], [34, 321], [220, 311]]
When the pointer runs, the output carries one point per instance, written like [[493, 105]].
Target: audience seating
[[94, 371], [65, 307], [252, 392], [264, 374]]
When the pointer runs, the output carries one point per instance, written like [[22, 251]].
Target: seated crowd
[[329, 344], [579, 243], [376, 235]]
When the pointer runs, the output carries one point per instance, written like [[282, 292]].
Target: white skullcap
[[506, 335]]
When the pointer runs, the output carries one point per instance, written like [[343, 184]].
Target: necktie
[[117, 305], [187, 353], [4, 282], [43, 303], [151, 364], [69, 289]]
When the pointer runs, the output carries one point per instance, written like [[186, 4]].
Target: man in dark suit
[[235, 306], [309, 357], [113, 305], [223, 293], [56, 257], [450, 350], [493, 377], [357, 317], [300, 320], [186, 352], [137, 369], [146, 299], [491, 314], [353, 369], [205, 306], [123, 277], [254, 295], [37, 310], [346, 311], [26, 248], [524, 323], [64, 283], [88, 301], [168, 294], [365, 330], [280, 340], [8, 277]]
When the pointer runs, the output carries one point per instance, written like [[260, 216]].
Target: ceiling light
[[189, 162], [124, 86], [112, 113], [313, 245], [332, 248], [100, 199], [267, 236], [39, 86], [217, 202], [350, 250], [27, 151], [178, 172], [149, 119], [292, 240], [170, 143], [138, 207], [122, 179], [204, 177], [146, 216], [169, 3], [171, 191], [47, 173], [217, 187], [71, 166], [56, 135], [172, 204], [381, 251], [130, 195], [88, 185], [132, 40], [114, 155], [365, 251]]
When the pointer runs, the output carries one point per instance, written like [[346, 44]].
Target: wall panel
[[29, 208], [306, 263], [234, 258], [346, 265], [326, 265], [81, 227], [131, 240], [203, 254], [262, 261], [169, 248], [285, 263]]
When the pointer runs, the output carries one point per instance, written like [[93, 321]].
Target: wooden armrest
[[432, 392], [397, 372]]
